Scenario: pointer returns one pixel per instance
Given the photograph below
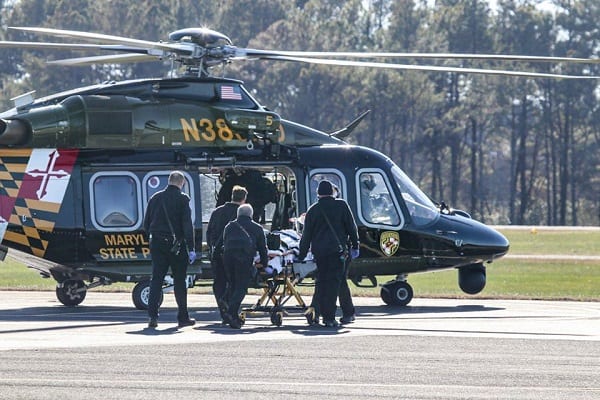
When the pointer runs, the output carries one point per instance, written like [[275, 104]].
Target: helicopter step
[[358, 281]]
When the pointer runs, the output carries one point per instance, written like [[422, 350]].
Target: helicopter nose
[[474, 238], [492, 242]]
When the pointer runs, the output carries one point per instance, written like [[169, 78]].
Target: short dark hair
[[325, 188], [238, 194]]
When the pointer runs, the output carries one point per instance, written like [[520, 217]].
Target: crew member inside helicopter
[[261, 190]]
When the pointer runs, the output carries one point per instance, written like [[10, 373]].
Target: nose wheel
[[396, 293], [141, 295]]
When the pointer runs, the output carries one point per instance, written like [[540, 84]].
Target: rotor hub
[[200, 36]]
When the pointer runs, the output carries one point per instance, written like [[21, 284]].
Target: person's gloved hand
[[192, 256], [354, 253]]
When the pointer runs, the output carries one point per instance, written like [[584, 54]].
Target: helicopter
[[78, 168]]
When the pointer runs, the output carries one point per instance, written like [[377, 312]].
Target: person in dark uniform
[[219, 218], [328, 226], [344, 295], [168, 214], [242, 238]]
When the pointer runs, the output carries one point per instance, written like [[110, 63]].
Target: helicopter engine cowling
[[48, 126], [65, 124], [14, 132], [471, 279]]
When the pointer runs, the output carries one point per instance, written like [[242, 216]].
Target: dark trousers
[[344, 296], [162, 259], [330, 271], [220, 282], [239, 270]]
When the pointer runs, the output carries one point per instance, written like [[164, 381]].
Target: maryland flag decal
[[389, 242], [33, 183]]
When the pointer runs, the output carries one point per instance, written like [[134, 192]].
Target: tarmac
[[432, 349]]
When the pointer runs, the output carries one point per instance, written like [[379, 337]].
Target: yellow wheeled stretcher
[[279, 288]]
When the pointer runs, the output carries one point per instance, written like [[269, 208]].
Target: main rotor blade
[[83, 46], [56, 46], [428, 68], [459, 56], [108, 59], [176, 47]]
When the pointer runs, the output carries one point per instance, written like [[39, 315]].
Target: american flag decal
[[230, 93]]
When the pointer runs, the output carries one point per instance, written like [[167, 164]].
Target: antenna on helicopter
[[345, 132]]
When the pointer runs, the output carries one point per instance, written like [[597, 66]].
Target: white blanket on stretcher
[[287, 253]]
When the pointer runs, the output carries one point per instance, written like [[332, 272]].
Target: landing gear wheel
[[71, 293], [141, 295], [397, 293], [276, 317]]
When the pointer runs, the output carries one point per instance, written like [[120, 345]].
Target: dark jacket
[[219, 218], [177, 205], [255, 231], [318, 233]]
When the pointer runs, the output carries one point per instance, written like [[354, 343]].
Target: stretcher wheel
[[277, 318], [311, 316]]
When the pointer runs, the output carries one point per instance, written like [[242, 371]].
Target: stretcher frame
[[278, 290]]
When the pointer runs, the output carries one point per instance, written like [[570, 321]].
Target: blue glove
[[354, 253], [192, 256]]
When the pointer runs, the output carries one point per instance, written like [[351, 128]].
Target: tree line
[[510, 150]]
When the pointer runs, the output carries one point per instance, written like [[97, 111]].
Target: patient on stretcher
[[285, 256]]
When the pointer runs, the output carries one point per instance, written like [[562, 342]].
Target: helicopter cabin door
[[381, 222], [113, 223]]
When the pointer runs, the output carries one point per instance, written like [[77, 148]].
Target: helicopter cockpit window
[[376, 204], [115, 201], [421, 209], [333, 177]]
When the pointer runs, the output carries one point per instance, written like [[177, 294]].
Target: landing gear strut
[[71, 292], [397, 292]]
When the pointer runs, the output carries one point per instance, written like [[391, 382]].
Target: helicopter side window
[[316, 177], [158, 180], [376, 204], [115, 201]]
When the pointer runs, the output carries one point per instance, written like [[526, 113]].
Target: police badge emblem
[[389, 243]]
